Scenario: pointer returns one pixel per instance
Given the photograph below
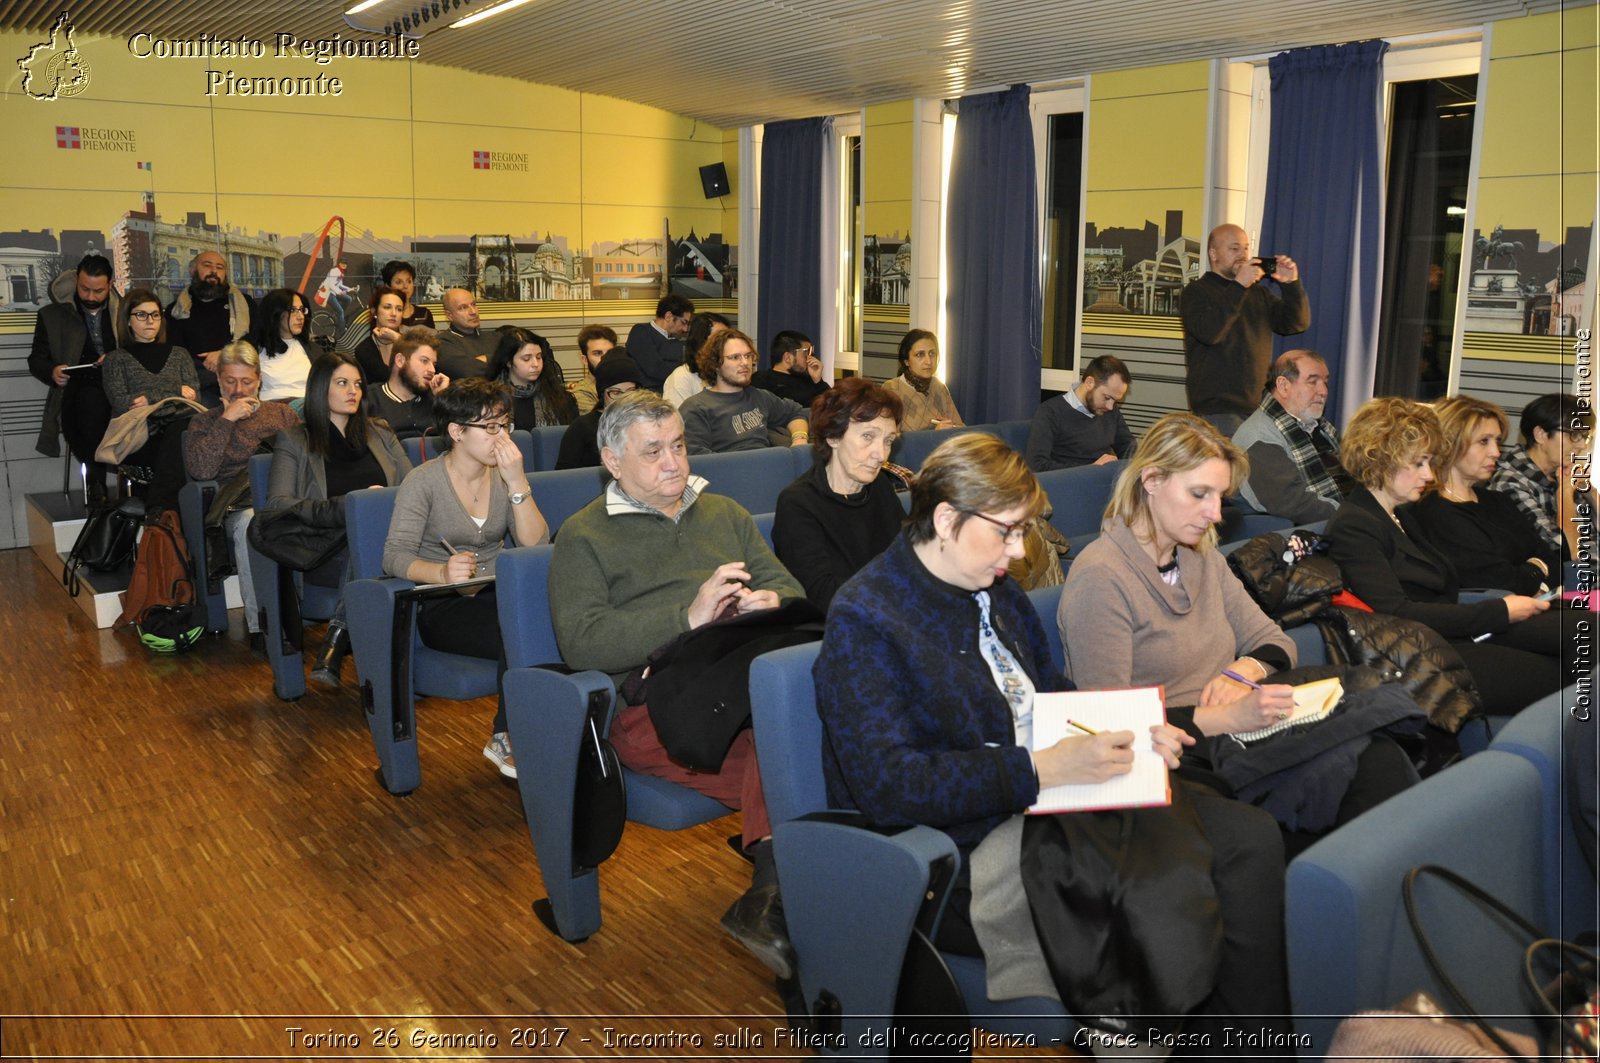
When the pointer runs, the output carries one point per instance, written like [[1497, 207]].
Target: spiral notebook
[[1135, 710], [1312, 702]]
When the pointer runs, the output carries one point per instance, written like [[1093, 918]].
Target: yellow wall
[[393, 154]]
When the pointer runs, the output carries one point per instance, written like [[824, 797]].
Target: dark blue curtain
[[1324, 200], [995, 317], [790, 292]]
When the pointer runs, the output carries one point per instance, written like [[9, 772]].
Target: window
[[1058, 132], [1430, 154]]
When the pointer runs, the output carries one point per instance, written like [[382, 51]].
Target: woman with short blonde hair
[[1512, 645]]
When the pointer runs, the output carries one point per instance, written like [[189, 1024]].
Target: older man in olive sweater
[[649, 559]]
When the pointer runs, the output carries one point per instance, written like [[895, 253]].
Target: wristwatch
[[518, 498]]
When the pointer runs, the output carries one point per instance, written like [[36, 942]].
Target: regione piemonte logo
[[55, 69], [500, 160]]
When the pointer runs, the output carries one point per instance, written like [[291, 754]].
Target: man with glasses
[[1555, 430], [405, 400], [70, 340], [730, 415], [658, 345], [207, 316], [796, 372], [615, 376]]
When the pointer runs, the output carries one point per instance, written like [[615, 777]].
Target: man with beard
[[1295, 470], [207, 316], [1228, 321], [70, 340], [731, 415], [405, 400]]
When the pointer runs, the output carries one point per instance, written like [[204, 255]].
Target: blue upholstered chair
[[1538, 734], [1349, 943], [764, 525], [392, 664], [561, 493], [545, 447], [752, 478], [277, 588], [1241, 525], [547, 709], [854, 896], [1078, 497], [194, 500]]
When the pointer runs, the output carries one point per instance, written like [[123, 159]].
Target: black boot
[[756, 918], [330, 657]]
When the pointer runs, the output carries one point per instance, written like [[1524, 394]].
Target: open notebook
[[1312, 702], [1135, 710]]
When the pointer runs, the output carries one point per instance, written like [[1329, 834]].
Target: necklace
[[474, 490], [1455, 496]]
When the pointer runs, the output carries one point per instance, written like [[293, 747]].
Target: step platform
[[54, 521]]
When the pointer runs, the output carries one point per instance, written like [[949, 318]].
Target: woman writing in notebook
[[1152, 603], [925, 685]]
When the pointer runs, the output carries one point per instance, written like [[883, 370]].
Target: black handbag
[[285, 536], [1566, 1000], [105, 543]]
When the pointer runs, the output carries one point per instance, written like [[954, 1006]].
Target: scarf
[[1324, 474], [919, 385], [238, 310]]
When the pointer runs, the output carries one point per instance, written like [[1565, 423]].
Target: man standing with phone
[[1229, 318]]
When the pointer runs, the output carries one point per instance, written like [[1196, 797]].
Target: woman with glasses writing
[[283, 338], [926, 683], [450, 522], [337, 450]]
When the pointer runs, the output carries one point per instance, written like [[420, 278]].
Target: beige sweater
[[1122, 626]]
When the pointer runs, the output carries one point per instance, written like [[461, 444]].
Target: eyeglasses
[[145, 315], [1011, 533], [618, 390], [492, 428], [299, 310]]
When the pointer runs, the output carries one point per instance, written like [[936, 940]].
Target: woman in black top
[[524, 361], [844, 512], [374, 353], [1513, 645], [337, 450], [1490, 540]]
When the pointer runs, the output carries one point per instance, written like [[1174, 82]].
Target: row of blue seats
[[852, 897], [541, 446]]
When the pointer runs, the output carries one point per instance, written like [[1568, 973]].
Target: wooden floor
[[189, 867]]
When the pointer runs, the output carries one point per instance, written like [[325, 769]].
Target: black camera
[[1268, 264]]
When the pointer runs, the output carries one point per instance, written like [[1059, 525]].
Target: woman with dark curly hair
[[1512, 645], [844, 512], [524, 362]]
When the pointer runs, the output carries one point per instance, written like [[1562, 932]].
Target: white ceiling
[[734, 62]]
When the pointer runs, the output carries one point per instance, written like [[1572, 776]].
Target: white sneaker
[[498, 751]]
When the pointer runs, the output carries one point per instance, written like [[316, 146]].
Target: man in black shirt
[[1229, 318], [207, 316], [796, 372], [70, 340]]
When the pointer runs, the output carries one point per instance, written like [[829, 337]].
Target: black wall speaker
[[714, 179]]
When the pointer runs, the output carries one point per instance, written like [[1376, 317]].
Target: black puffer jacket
[[1297, 585]]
